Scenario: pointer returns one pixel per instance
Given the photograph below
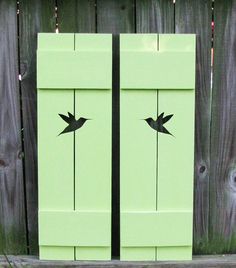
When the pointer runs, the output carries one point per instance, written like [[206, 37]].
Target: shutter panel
[[157, 75], [74, 76]]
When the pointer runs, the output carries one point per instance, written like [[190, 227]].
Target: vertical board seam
[[157, 47], [96, 15], [157, 140], [209, 232], [174, 30], [74, 154], [74, 140], [135, 15], [22, 128]]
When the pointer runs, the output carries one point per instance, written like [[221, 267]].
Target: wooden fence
[[215, 143]]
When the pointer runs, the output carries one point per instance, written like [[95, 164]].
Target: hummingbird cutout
[[73, 124], [158, 124]]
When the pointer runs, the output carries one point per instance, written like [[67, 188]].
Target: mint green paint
[[93, 150], [70, 69], [138, 43], [94, 42], [174, 253], [177, 42], [55, 160], [55, 42], [159, 70], [54, 153], [177, 150], [74, 216], [56, 253], [74, 68], [94, 253], [92, 171], [87, 229], [147, 228], [137, 171], [156, 168]]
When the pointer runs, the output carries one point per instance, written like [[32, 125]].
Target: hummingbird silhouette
[[73, 124], [158, 124]]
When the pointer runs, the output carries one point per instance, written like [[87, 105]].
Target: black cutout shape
[[158, 124], [73, 124]]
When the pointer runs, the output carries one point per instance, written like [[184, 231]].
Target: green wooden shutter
[[74, 74], [157, 74]]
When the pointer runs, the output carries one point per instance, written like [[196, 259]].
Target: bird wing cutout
[[67, 119], [166, 118]]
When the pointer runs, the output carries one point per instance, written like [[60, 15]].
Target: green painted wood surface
[[175, 184], [81, 62], [93, 145], [179, 151], [55, 160], [83, 20], [76, 200], [80, 227], [137, 171], [145, 228], [149, 187]]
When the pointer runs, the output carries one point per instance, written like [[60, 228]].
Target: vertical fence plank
[[76, 16], [222, 228], [115, 17], [195, 17], [155, 16], [12, 206], [35, 16]]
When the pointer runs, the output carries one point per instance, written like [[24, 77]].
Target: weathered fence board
[[12, 202], [195, 17], [222, 221], [115, 16], [76, 16], [155, 16], [206, 261], [35, 16]]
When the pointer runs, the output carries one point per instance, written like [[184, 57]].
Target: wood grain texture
[[35, 16], [155, 16], [76, 16], [115, 17], [222, 222], [195, 17], [207, 261], [12, 205]]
